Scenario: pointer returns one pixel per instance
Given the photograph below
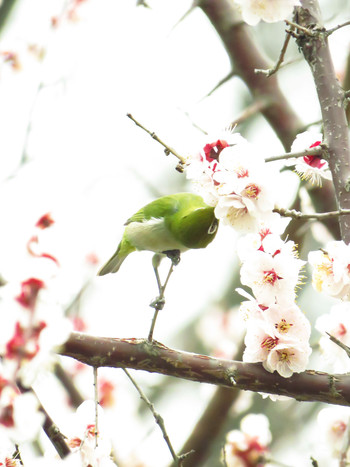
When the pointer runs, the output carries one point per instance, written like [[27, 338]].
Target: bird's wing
[[157, 209]]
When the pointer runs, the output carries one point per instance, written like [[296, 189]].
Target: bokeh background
[[69, 73]]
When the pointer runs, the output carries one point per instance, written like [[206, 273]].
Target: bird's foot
[[158, 303], [173, 255]]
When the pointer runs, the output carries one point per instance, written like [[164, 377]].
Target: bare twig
[[168, 149], [52, 431], [185, 15], [157, 417], [258, 106], [67, 382], [340, 344], [219, 84], [96, 405], [320, 216], [280, 60], [320, 150], [139, 354], [306, 31], [335, 28]]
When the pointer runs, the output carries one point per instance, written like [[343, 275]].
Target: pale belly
[[152, 235]]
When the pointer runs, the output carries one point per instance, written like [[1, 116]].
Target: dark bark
[[155, 357]]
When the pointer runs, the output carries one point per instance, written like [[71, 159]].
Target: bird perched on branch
[[168, 226]]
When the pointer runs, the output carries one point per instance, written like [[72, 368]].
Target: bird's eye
[[213, 227]]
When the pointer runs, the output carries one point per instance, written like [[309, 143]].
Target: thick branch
[[246, 57], [140, 354], [331, 96]]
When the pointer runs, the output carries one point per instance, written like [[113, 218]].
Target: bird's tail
[[114, 263]]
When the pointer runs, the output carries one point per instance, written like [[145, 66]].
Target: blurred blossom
[[270, 11], [45, 221], [332, 427], [19, 415], [248, 447], [337, 324], [83, 434], [29, 292], [222, 331], [331, 269]]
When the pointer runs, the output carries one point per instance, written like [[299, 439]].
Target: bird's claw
[[158, 303], [174, 256]]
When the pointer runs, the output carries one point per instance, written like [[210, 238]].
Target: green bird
[[167, 226]]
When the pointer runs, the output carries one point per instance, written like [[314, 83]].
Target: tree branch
[[246, 57], [139, 354], [332, 102]]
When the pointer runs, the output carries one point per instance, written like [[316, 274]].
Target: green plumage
[[175, 222]]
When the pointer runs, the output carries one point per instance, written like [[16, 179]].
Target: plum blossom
[[231, 176], [83, 436], [248, 447], [309, 167], [272, 277], [332, 427], [19, 415], [270, 11], [331, 269], [337, 324], [278, 343]]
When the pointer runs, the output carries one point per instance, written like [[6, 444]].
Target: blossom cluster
[[232, 176], [277, 330]]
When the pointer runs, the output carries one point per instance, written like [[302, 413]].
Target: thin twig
[[75, 398], [280, 60], [219, 84], [320, 150], [224, 463], [194, 124], [339, 343], [168, 149], [96, 405], [253, 109], [185, 15], [315, 215], [331, 30], [306, 31], [157, 417]]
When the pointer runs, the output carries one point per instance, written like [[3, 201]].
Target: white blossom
[[332, 426], [270, 11], [337, 324], [249, 443], [331, 269], [309, 167], [272, 278]]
